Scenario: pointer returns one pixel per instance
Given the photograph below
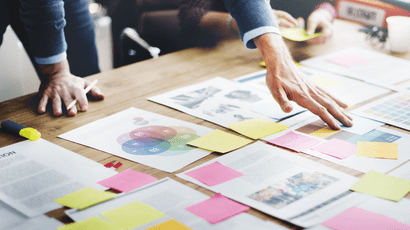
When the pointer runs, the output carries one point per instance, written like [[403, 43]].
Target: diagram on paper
[[157, 140], [293, 188]]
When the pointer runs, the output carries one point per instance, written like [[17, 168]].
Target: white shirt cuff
[[250, 35], [52, 59]]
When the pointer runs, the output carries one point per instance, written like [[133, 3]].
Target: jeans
[[79, 35]]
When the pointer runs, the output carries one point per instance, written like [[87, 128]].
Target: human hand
[[320, 20], [287, 83], [284, 19], [59, 85]]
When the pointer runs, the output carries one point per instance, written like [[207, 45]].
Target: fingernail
[[84, 108]]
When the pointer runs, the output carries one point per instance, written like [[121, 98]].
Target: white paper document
[[34, 173], [367, 65], [222, 101], [171, 197], [284, 185], [35, 223], [393, 110], [144, 137], [348, 90], [402, 172]]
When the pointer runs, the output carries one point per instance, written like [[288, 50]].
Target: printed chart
[[147, 138]]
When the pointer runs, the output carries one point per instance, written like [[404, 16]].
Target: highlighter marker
[[17, 129]]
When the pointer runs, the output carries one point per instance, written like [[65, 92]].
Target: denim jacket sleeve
[[44, 23], [254, 18]]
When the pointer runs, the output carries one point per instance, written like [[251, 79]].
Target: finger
[[285, 23], [43, 104], [307, 102], [280, 96], [312, 26], [96, 92], [288, 17], [79, 94], [332, 108], [56, 102], [67, 99]]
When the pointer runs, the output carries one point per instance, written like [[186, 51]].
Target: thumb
[[311, 26]]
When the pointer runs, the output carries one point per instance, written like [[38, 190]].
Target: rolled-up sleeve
[[253, 18], [44, 21]]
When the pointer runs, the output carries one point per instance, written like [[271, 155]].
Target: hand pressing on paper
[[287, 83], [59, 86]]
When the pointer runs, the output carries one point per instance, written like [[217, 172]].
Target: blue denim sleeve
[[44, 23], [254, 18]]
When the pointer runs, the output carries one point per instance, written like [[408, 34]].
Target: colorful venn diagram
[[157, 140]]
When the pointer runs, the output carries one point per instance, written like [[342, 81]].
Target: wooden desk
[[131, 85]]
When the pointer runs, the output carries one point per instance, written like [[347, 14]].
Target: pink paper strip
[[217, 209], [128, 180], [357, 218], [214, 174], [336, 148], [348, 60], [295, 141]]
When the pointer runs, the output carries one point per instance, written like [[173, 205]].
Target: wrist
[[56, 68], [273, 49]]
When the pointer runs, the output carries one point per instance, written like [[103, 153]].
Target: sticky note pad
[[377, 150], [133, 215], [217, 209], [336, 148], [128, 180], [257, 128], [382, 185], [348, 60], [94, 223], [297, 34], [84, 198], [357, 218], [219, 141], [214, 174], [170, 225], [295, 141]]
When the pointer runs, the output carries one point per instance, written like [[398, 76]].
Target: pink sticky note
[[336, 148], [357, 218], [295, 141], [347, 60], [217, 208], [214, 174], [127, 180]]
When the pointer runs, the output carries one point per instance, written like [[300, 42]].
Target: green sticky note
[[133, 215], [219, 141], [84, 198], [297, 34], [377, 150], [94, 223], [382, 185], [257, 128]]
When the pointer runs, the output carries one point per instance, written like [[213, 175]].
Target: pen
[[17, 129], [86, 91]]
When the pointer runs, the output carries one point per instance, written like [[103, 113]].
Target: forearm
[[218, 24], [44, 23]]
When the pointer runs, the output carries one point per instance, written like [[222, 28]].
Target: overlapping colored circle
[[157, 140]]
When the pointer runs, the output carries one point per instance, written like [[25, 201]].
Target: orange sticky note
[[170, 225]]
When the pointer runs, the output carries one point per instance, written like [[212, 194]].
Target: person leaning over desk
[[45, 27], [256, 24]]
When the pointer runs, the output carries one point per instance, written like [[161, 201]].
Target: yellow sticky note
[[94, 223], [377, 150], [257, 128], [324, 132], [219, 141], [84, 198], [297, 34], [133, 215], [325, 83], [170, 225], [382, 185]]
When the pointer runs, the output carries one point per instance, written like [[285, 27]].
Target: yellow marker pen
[[17, 129]]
